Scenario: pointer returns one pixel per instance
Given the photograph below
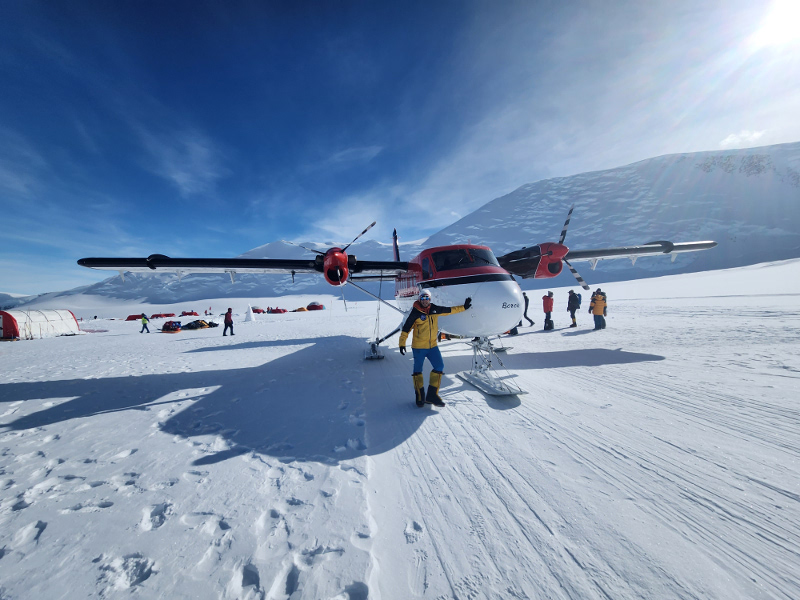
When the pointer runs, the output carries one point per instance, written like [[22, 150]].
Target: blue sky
[[209, 128]]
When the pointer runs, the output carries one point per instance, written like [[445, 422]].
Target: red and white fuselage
[[454, 273]]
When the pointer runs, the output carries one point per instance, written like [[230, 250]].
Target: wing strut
[[349, 282]]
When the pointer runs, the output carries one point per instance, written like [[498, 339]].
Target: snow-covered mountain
[[747, 200], [9, 299]]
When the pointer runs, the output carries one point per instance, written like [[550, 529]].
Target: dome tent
[[37, 324]]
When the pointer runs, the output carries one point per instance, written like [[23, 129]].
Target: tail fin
[[395, 247]]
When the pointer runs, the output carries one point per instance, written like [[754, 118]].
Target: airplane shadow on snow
[[308, 405]]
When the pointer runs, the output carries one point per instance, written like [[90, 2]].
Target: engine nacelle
[[551, 260], [335, 267]]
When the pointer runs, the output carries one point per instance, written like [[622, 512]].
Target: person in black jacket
[[573, 304], [525, 314]]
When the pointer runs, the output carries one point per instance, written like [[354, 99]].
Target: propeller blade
[[577, 275], [359, 235], [566, 224], [303, 247]]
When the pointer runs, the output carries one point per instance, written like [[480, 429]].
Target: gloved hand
[[605, 314], [589, 311], [467, 303], [403, 350]]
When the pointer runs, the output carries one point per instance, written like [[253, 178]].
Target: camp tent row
[[35, 324]]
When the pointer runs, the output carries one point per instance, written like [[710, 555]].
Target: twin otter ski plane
[[450, 273]]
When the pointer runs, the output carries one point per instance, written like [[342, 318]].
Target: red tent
[[133, 317]]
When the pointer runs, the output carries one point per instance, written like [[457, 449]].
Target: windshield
[[463, 258]]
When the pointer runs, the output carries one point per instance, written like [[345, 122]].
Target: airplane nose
[[497, 306]]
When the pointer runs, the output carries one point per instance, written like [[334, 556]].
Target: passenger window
[[426, 268]]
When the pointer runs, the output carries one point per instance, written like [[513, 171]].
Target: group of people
[[228, 323], [598, 307]]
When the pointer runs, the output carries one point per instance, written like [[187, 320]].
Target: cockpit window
[[463, 258]]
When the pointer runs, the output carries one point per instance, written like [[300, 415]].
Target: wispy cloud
[[341, 160], [353, 155], [743, 138], [21, 165], [187, 158]]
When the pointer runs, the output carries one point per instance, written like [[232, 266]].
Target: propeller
[[572, 270], [359, 235], [303, 247], [343, 249], [566, 224]]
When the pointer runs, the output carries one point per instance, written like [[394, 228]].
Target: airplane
[[451, 274]]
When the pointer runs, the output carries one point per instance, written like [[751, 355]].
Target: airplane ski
[[482, 374]]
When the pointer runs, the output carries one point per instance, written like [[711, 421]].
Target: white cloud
[[21, 165], [354, 155], [343, 159], [743, 138], [187, 158]]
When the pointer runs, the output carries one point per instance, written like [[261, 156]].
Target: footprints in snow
[[124, 572], [413, 532], [155, 516], [418, 571]]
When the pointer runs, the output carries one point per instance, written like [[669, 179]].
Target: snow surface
[[659, 458]]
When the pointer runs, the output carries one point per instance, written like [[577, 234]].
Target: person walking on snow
[[424, 322], [228, 322], [599, 307], [145, 321], [573, 304], [525, 314], [547, 305]]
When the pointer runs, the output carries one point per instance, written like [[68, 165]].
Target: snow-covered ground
[[659, 458]]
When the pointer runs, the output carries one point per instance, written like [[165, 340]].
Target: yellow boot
[[433, 389], [419, 388]]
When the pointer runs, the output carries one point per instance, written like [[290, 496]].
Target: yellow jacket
[[598, 304], [425, 324]]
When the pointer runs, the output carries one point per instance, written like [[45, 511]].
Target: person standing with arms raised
[[424, 322]]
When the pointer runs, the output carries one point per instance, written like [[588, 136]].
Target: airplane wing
[[526, 262], [660, 247], [186, 266]]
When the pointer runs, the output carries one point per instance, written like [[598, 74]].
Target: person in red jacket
[[228, 322], [547, 304]]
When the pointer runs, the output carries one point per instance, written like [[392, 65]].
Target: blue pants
[[599, 322], [144, 327], [434, 355], [225, 331]]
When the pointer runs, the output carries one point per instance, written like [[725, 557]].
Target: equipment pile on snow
[[171, 327]]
